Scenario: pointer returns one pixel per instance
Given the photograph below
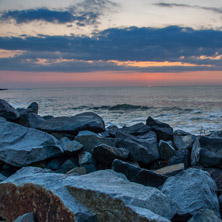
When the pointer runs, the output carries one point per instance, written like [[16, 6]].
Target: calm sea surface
[[193, 109]]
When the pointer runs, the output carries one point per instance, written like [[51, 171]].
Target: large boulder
[[21, 146], [166, 149], [84, 121], [7, 111], [137, 129], [105, 154], [182, 139], [207, 152], [192, 190], [205, 215], [107, 195], [163, 130], [70, 146], [138, 175], [30, 120], [143, 149]]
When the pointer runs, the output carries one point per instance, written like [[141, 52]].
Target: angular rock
[[85, 158], [170, 170], [163, 130], [70, 146], [28, 217], [207, 152], [7, 111], [137, 129], [216, 134], [68, 165], [142, 149], [192, 190], [205, 215], [105, 154], [55, 163], [112, 131], [33, 108], [84, 121], [89, 140], [138, 175], [182, 139], [30, 120], [21, 146], [166, 149]]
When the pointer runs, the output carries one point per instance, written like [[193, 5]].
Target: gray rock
[[70, 146], [182, 140], [192, 190], [85, 158], [142, 149], [138, 175], [30, 120], [137, 129], [33, 107], [68, 165], [166, 149], [205, 215], [112, 131], [84, 121], [105, 154], [7, 111], [163, 130], [207, 152], [28, 217], [21, 146], [89, 140]]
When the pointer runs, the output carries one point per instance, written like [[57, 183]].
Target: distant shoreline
[[3, 89]]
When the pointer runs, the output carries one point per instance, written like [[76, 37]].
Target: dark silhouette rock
[[166, 149], [7, 111], [137, 129], [30, 120]]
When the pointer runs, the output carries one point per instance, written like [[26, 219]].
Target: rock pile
[[76, 169]]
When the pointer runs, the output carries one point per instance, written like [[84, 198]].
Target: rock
[[207, 152], [28, 217], [216, 134], [170, 170], [166, 149], [163, 130], [21, 146], [77, 171], [181, 218], [68, 165], [85, 158], [7, 170], [2, 177], [192, 190], [112, 131], [33, 108], [7, 111], [30, 120], [205, 215], [55, 163], [70, 146], [72, 125], [180, 156], [137, 129], [105, 154], [138, 175], [43, 193], [142, 149], [89, 140], [182, 140]]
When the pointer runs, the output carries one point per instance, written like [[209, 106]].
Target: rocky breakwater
[[76, 169]]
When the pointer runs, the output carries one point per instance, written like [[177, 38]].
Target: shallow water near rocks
[[193, 109]]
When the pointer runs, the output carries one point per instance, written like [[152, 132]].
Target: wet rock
[[192, 190], [43, 193], [207, 152], [138, 175], [7, 111], [163, 130], [137, 129], [28, 217], [70, 146], [166, 149], [89, 140], [72, 125], [182, 139], [85, 158], [21, 146], [205, 215], [105, 154], [170, 170]]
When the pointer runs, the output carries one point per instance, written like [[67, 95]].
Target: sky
[[54, 43]]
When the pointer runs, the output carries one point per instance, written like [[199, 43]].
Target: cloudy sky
[[49, 43]]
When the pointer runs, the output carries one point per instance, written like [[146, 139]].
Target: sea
[[197, 110]]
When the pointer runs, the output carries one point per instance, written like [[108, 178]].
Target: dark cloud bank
[[173, 44]]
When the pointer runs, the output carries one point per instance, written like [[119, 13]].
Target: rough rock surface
[[137, 129], [182, 139], [7, 111], [70, 146], [21, 146], [28, 217], [138, 175], [205, 215], [84, 121], [163, 130], [105, 154], [207, 152], [30, 120], [192, 190], [166, 149], [106, 194]]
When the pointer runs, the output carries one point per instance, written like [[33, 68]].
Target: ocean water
[[193, 109]]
